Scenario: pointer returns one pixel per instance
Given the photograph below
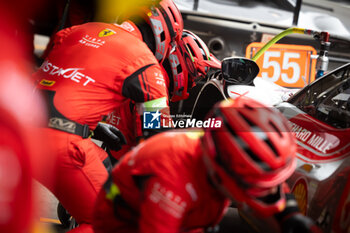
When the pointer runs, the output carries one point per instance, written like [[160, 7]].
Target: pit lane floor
[[46, 205]]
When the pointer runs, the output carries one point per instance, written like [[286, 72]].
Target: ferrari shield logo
[[106, 32]]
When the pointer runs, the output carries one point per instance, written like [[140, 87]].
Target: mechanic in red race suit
[[191, 58], [182, 181], [91, 70], [21, 112]]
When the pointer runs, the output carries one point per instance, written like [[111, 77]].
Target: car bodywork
[[320, 117]]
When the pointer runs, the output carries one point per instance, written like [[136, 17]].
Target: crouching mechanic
[[188, 62], [183, 181], [91, 70]]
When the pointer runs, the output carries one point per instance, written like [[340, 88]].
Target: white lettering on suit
[[69, 73]]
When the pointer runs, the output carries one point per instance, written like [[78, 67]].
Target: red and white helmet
[[200, 57], [251, 155], [189, 61], [163, 17], [180, 80], [167, 25]]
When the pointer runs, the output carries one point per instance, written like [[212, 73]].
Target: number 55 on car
[[284, 64]]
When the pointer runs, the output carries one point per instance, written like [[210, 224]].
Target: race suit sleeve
[[163, 208], [148, 90], [146, 84], [123, 118]]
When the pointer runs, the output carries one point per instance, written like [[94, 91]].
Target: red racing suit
[[126, 121], [126, 118], [160, 186], [92, 70], [16, 176], [21, 112], [95, 67]]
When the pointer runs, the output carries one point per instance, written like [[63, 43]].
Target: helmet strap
[[167, 67]]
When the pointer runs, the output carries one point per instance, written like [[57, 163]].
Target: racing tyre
[[63, 216]]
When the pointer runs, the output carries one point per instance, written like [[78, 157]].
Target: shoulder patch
[[127, 26]]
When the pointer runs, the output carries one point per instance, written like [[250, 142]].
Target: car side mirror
[[239, 70]]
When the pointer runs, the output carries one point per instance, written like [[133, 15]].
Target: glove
[[292, 221], [299, 223], [110, 135]]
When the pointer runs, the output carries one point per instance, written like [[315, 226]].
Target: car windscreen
[[327, 99]]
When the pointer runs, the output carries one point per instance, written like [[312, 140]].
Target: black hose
[[297, 12], [64, 16], [195, 5]]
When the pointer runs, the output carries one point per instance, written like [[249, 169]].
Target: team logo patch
[[127, 26], [151, 120], [106, 32], [47, 83]]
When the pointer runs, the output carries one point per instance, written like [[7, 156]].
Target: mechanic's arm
[[148, 90], [163, 207], [153, 117]]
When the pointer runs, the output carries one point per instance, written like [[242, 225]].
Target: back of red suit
[[163, 187], [92, 70], [93, 61]]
